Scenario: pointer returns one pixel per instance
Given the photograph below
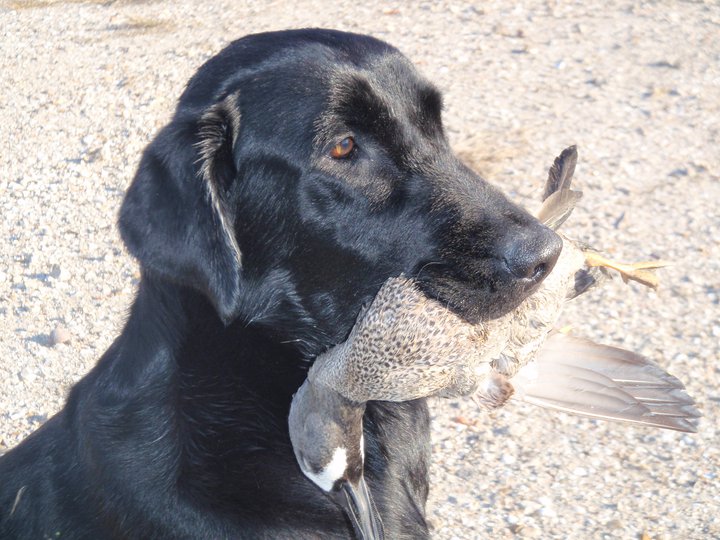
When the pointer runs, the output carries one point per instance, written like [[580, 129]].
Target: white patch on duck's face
[[332, 472]]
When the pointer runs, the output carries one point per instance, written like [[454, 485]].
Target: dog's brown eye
[[343, 148]]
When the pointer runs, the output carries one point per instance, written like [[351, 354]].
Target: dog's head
[[304, 168]]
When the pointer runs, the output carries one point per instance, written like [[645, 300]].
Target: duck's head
[[326, 431]]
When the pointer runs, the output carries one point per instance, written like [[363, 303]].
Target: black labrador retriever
[[300, 171]]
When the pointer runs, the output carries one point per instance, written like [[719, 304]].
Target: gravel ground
[[85, 86]]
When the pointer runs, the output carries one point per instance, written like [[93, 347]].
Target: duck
[[406, 346]]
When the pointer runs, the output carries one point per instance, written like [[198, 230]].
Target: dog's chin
[[474, 303]]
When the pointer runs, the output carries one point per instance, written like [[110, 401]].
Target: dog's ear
[[175, 218]]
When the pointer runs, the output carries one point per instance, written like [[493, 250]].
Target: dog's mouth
[[480, 299], [486, 272]]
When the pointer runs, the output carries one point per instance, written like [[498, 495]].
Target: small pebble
[[60, 335], [529, 531], [27, 374], [59, 273], [547, 511]]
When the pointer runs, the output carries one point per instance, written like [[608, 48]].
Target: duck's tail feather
[[578, 376], [558, 199], [561, 173]]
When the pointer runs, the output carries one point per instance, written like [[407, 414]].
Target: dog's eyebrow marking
[[367, 102], [353, 102]]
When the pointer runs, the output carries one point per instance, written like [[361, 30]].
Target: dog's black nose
[[532, 257]]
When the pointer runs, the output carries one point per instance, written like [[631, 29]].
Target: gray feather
[[558, 199], [558, 207], [582, 377], [561, 173]]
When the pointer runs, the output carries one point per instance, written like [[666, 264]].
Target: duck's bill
[[357, 502]]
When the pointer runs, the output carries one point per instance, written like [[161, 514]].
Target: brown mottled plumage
[[406, 346]]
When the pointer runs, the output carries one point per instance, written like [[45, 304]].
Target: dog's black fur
[[258, 249]]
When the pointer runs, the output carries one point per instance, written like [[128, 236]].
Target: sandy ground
[[85, 85]]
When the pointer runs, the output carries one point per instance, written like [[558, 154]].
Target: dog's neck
[[215, 398]]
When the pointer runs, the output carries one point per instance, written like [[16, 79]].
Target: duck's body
[[405, 346]]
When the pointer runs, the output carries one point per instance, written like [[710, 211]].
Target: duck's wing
[[578, 376], [558, 199]]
